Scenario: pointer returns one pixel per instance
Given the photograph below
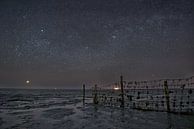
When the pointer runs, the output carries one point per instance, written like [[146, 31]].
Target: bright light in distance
[[116, 88], [27, 81]]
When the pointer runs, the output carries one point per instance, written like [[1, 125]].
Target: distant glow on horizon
[[116, 88], [27, 81]]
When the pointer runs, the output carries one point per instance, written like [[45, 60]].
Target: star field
[[64, 43]]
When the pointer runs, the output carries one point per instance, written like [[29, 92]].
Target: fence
[[170, 95]]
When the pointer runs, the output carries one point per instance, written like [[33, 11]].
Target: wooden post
[[189, 93], [84, 94], [122, 92], [95, 99], [147, 91], [181, 102], [166, 92]]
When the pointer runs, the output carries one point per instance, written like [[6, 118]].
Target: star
[[24, 17], [86, 47], [114, 36]]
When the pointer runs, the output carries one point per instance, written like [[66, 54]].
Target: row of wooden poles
[[95, 96]]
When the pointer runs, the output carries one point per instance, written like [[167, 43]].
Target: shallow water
[[63, 109]]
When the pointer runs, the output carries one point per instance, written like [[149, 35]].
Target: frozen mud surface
[[63, 109]]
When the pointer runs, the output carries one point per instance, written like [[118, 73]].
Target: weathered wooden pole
[[182, 90], [147, 91], [122, 92], [166, 92], [84, 91], [95, 99], [189, 93]]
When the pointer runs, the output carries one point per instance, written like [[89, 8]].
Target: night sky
[[65, 43]]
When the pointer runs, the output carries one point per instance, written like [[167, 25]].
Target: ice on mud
[[58, 113], [63, 109]]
